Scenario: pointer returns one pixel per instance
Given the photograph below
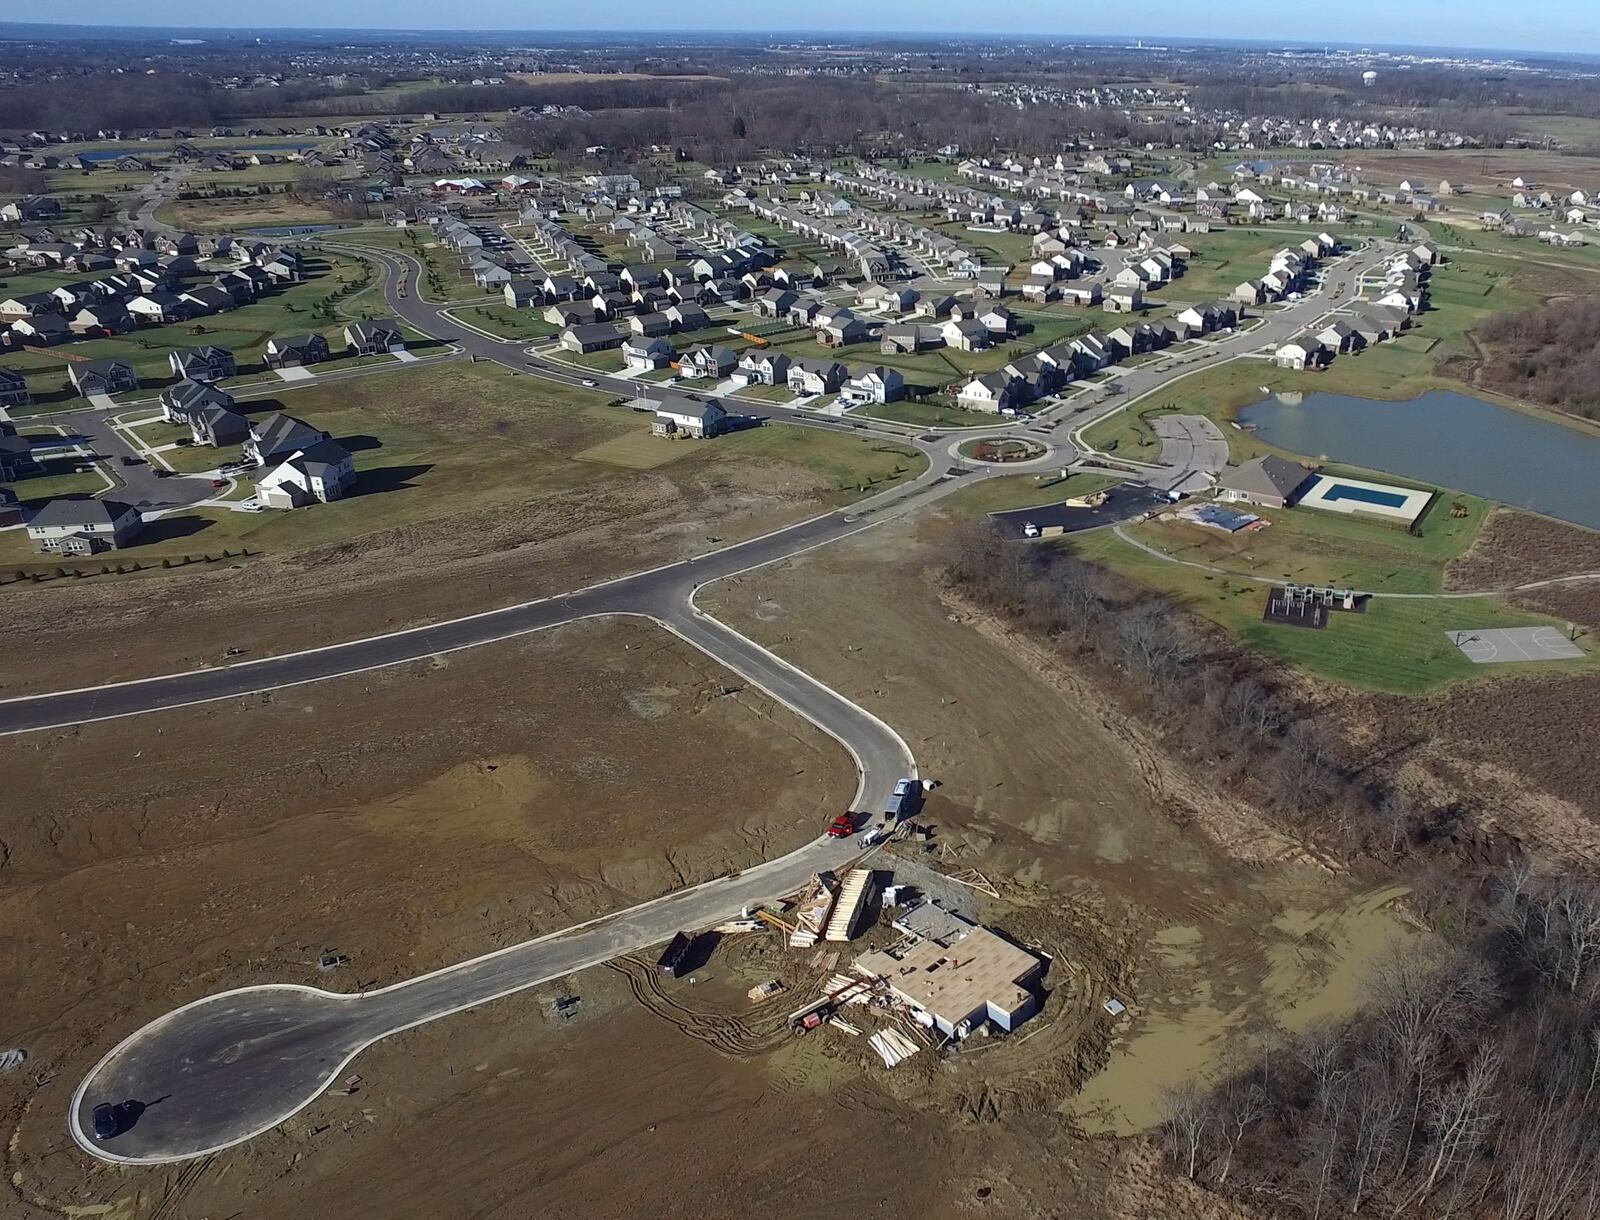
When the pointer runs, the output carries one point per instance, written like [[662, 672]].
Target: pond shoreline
[[1446, 439]]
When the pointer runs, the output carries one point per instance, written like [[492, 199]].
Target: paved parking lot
[[1127, 501]]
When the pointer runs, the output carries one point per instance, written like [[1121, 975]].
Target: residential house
[[709, 360], [522, 293], [202, 364], [13, 389], [1299, 354], [16, 454], [1271, 481], [315, 474], [757, 367], [987, 392], [374, 337], [591, 337], [41, 330], [295, 351], [640, 354], [967, 335], [650, 325], [84, 526], [211, 413], [90, 377], [819, 376], [275, 437], [685, 415], [878, 384]]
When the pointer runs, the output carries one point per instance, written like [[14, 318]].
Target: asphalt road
[[225, 1068]]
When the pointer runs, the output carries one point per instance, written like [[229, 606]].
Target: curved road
[[223, 1069]]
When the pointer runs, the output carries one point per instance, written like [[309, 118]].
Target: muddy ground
[[1158, 889], [406, 818], [234, 843]]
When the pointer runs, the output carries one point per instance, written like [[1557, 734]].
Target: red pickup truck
[[843, 826]]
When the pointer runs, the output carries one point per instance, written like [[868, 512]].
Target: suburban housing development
[[593, 616]]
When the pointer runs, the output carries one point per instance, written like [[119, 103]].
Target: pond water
[[1449, 439]]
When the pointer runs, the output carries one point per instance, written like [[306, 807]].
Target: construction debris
[[1115, 1007], [893, 1046], [735, 926], [974, 880], [12, 1058], [841, 1024], [841, 990], [854, 894], [825, 959], [762, 992], [816, 904]]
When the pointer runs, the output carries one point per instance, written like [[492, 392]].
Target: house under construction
[[958, 975]]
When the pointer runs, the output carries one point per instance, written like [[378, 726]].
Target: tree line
[[1468, 1088], [1548, 354], [1217, 706]]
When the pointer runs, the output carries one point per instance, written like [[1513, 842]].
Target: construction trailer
[[676, 955]]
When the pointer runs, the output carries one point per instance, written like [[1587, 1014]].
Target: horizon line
[[1287, 42]]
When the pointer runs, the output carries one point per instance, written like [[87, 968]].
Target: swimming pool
[[1365, 495]]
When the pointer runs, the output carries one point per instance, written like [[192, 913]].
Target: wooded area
[[1468, 1087], [1549, 354]]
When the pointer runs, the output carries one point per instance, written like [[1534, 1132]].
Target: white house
[[313, 475], [876, 385]]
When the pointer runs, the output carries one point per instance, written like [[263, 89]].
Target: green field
[[1309, 546], [1398, 645], [998, 493], [1223, 258]]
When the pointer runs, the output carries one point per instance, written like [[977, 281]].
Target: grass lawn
[[855, 466], [189, 459], [230, 212], [507, 322], [930, 414], [1223, 258], [1309, 546], [999, 493], [1398, 645], [58, 476]]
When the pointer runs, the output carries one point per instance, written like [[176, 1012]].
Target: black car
[[107, 1120]]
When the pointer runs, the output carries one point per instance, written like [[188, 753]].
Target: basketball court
[[1494, 645]]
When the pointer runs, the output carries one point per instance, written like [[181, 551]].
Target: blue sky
[[1556, 25]]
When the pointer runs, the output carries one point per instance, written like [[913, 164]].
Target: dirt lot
[[1482, 171], [406, 819], [477, 495], [1152, 886], [440, 825]]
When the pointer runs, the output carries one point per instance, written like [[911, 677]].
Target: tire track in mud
[[729, 1035]]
